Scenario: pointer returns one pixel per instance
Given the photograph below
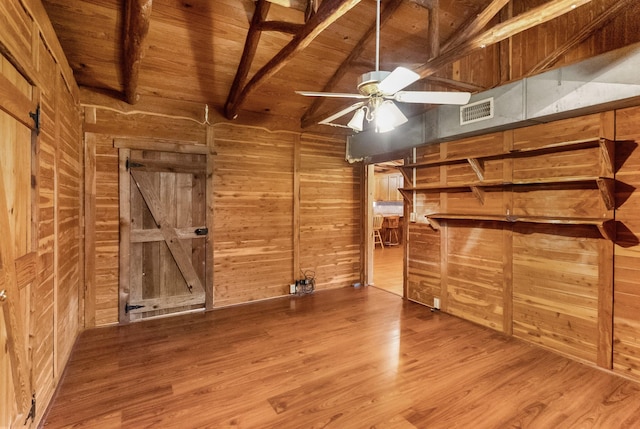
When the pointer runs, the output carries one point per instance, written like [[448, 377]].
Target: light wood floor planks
[[345, 358], [387, 268]]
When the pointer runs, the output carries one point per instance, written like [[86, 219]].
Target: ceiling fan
[[379, 89]]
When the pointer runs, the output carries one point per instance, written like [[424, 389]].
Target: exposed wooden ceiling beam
[[454, 84], [502, 31], [300, 5], [475, 26], [434, 30], [249, 52], [583, 34], [281, 26], [328, 12], [136, 28], [310, 117]]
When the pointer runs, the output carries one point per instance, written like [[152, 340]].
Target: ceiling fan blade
[[400, 78], [432, 97], [331, 94], [327, 121]]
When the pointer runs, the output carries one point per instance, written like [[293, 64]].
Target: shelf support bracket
[[608, 230], [479, 193], [478, 167], [433, 223], [607, 157], [407, 195], [607, 191]]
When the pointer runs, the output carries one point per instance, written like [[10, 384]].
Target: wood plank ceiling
[[241, 56]]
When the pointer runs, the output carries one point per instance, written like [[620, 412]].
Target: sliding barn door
[[163, 232]]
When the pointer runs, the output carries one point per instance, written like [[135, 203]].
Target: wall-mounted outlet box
[[412, 216], [436, 303], [292, 288]]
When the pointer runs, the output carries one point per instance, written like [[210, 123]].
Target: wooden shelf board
[[553, 147], [606, 226]]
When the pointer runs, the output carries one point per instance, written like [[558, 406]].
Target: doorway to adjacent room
[[388, 210]]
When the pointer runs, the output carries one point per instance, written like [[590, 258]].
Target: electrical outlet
[[292, 288], [412, 216], [436, 303]]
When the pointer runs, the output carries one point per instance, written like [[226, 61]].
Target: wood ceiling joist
[[475, 26], [583, 34], [281, 26], [434, 30], [518, 24], [310, 117], [249, 52], [300, 5], [137, 18], [328, 12]]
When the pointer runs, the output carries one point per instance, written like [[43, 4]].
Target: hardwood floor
[[345, 358], [387, 268]]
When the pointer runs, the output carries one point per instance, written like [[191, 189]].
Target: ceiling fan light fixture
[[388, 116], [357, 122]]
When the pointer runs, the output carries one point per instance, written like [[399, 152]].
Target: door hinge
[[32, 410], [128, 308], [36, 118], [131, 164]]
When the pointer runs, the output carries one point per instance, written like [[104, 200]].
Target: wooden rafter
[[249, 52], [310, 117], [475, 26], [434, 30], [136, 28], [583, 34], [328, 12], [502, 31]]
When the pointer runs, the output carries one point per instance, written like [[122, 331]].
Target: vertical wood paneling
[[253, 212], [424, 264], [555, 288], [105, 231], [69, 177], [330, 213], [626, 310], [475, 279]]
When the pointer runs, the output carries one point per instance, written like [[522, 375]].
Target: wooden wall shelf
[[606, 186], [607, 146], [605, 226]]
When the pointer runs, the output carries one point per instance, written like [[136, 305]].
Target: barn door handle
[[202, 231]]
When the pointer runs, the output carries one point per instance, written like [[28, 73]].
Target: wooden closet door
[[165, 196]]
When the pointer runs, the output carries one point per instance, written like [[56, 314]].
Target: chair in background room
[[393, 224], [377, 227]]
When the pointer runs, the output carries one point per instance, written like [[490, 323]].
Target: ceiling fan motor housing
[[368, 82]]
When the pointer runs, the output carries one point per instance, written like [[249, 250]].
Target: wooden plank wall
[[48, 264], [626, 320], [253, 214], [283, 203], [330, 213], [548, 284]]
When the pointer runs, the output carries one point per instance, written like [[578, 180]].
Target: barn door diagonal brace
[[179, 253]]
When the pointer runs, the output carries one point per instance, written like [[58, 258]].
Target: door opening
[[387, 211]]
